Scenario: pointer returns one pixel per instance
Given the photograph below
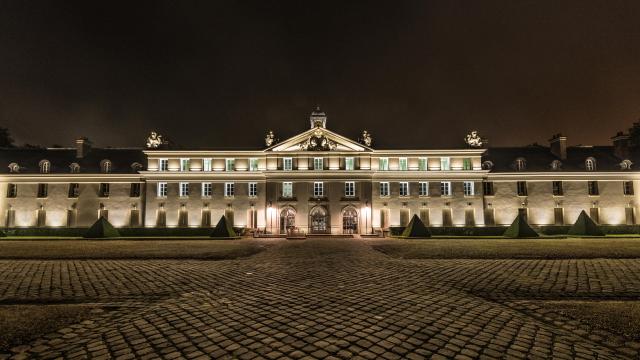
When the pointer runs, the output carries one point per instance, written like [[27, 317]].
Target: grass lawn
[[569, 248], [23, 323], [130, 249]]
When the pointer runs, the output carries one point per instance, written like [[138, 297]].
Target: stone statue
[[473, 139], [269, 139], [154, 140], [366, 138], [318, 142]]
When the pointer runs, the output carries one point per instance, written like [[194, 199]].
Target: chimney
[[621, 145], [83, 146], [558, 144]]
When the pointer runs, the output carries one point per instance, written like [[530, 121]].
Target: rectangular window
[[287, 189], [12, 190], [593, 188], [74, 190], [445, 163], [229, 164], [184, 164], [318, 164], [349, 189], [43, 190], [384, 189], [487, 188], [384, 164], [627, 187], [184, 189], [349, 163], [287, 164], [423, 188], [422, 164], [162, 189], [207, 189], [404, 189], [318, 189], [466, 164], [253, 189], [468, 187], [206, 164], [522, 188], [253, 164], [104, 190], [134, 191], [403, 164], [445, 188], [229, 189], [163, 164], [557, 188]]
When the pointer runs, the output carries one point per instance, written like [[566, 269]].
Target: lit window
[[229, 189], [45, 167], [445, 188], [593, 188], [184, 164], [422, 164], [318, 189], [468, 187], [104, 190], [445, 163], [287, 164], [557, 188], [105, 166], [349, 163], [207, 190], [253, 164], [229, 164], [384, 189], [423, 188], [206, 164], [318, 163], [287, 189], [184, 189], [349, 189], [162, 189], [628, 187], [403, 164], [590, 164], [404, 189], [384, 164], [466, 164], [253, 189], [12, 190], [522, 188], [163, 164]]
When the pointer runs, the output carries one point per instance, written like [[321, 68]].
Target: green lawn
[[542, 248]]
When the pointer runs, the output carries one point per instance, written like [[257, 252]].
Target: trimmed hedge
[[124, 232], [549, 230]]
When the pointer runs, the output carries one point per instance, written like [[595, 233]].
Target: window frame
[[423, 164], [287, 189], [423, 188], [468, 188], [628, 190], [445, 188], [229, 189], [104, 190], [252, 189], [42, 190], [403, 164], [206, 190], [593, 188], [207, 164], [288, 160], [318, 161], [383, 164], [163, 164], [557, 188], [162, 189], [135, 190], [349, 160], [253, 164], [384, 189], [522, 188], [185, 164], [349, 189], [445, 160], [229, 164], [318, 189], [183, 189]]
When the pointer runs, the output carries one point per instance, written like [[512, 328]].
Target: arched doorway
[[319, 220], [287, 220], [349, 221]]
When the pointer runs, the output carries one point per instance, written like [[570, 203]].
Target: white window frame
[[163, 164], [445, 188], [207, 190], [287, 164], [162, 190], [383, 164], [318, 189], [253, 164], [404, 189], [445, 163], [184, 164], [349, 163], [229, 189], [384, 189], [423, 164], [318, 163], [253, 189], [469, 188], [229, 164], [349, 189], [423, 188], [287, 189], [401, 166], [184, 189], [206, 164]]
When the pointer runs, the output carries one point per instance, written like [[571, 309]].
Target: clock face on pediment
[[318, 139]]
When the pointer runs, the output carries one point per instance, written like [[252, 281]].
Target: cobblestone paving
[[321, 298]]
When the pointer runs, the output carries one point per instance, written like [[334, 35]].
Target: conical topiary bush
[[519, 228], [102, 228], [585, 226], [223, 229], [416, 229]]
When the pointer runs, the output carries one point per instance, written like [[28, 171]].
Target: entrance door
[[350, 221], [319, 220], [287, 220]]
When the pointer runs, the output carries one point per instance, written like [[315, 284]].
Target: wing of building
[[318, 182]]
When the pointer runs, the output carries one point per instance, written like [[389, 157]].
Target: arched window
[[136, 166], [74, 168], [520, 164], [487, 165], [626, 164], [590, 164], [556, 165], [14, 168], [105, 166], [45, 166]]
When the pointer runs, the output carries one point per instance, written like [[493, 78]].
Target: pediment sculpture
[[318, 142]]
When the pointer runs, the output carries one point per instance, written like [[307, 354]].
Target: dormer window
[[556, 165], [590, 164], [74, 168], [105, 166], [45, 166], [520, 164], [136, 166], [626, 164], [487, 165], [14, 168]]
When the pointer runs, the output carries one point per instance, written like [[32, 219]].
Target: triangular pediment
[[318, 139]]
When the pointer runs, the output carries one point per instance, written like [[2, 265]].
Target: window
[[349, 189], [521, 187], [626, 164], [74, 190], [287, 164], [12, 190], [184, 164], [229, 189], [384, 189], [134, 191], [349, 163], [422, 164], [318, 189], [590, 164], [592, 187], [384, 164], [184, 189], [318, 164], [206, 164], [104, 190], [627, 187], [229, 164], [557, 188], [445, 188], [404, 189], [163, 164], [468, 188], [423, 188], [487, 188], [466, 164], [445, 163], [403, 164], [162, 189], [287, 189], [43, 190], [207, 190], [520, 164], [105, 166], [556, 165], [74, 168], [253, 189], [253, 164]]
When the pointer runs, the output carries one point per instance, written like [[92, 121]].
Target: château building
[[318, 182]]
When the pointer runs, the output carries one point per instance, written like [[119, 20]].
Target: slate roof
[[61, 158]]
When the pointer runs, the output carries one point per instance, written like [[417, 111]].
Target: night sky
[[415, 74]]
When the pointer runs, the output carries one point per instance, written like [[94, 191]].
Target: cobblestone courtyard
[[322, 298]]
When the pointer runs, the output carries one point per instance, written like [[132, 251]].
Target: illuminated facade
[[318, 182]]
